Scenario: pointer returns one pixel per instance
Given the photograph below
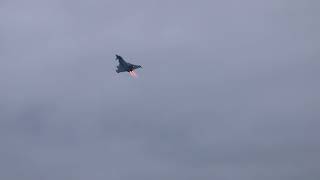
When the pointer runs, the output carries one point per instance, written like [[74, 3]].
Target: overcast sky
[[229, 90]]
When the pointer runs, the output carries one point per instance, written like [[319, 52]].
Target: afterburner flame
[[133, 74]]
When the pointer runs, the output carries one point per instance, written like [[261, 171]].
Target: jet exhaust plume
[[133, 74]]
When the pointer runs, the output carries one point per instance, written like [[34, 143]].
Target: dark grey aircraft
[[124, 66]]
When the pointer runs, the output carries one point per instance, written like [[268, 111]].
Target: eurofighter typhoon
[[126, 67]]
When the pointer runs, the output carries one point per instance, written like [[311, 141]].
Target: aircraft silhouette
[[125, 66]]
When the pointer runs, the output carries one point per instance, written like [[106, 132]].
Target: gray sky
[[229, 90]]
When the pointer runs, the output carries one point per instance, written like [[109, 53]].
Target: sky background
[[229, 90]]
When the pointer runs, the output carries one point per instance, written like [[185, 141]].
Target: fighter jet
[[125, 66]]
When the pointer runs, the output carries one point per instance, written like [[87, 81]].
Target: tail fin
[[118, 57]]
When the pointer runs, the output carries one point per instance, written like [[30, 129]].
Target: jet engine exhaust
[[133, 74]]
